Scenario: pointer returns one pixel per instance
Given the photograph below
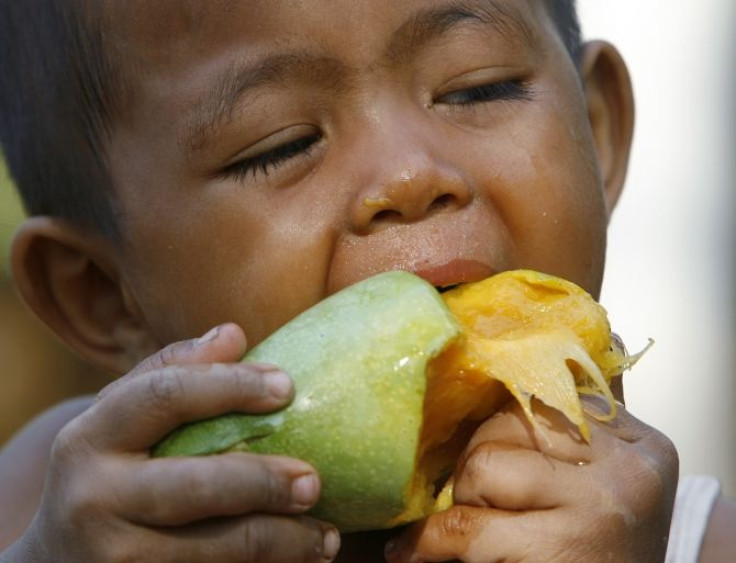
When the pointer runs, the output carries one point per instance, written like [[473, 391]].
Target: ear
[[70, 279], [611, 112]]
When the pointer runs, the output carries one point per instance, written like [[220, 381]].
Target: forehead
[[167, 27], [205, 53]]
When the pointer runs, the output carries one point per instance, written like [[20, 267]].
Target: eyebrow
[[429, 25], [243, 79]]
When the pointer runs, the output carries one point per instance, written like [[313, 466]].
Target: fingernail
[[596, 406], [209, 337], [304, 490], [331, 544], [278, 384]]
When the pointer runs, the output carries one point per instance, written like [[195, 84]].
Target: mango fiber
[[392, 377]]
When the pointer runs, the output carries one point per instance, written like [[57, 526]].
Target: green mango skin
[[359, 361]]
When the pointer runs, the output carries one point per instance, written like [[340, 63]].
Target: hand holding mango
[[392, 377]]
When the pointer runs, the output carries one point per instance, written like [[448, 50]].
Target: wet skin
[[266, 158]]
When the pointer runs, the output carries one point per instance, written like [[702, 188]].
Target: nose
[[408, 184]]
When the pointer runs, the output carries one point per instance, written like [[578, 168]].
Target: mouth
[[455, 272], [444, 288]]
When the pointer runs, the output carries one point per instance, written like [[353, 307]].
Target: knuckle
[[667, 449], [71, 444], [237, 378], [457, 523], [77, 474], [83, 505], [656, 468], [170, 354], [276, 493], [66, 443], [256, 547], [246, 382], [478, 462], [165, 388]]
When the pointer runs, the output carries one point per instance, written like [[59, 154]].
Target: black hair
[[57, 98], [61, 88], [564, 13]]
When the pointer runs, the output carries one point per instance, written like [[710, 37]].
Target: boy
[[239, 160]]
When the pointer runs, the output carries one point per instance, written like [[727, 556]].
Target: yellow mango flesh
[[525, 335]]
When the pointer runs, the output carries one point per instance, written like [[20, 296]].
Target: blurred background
[[672, 252], [672, 258]]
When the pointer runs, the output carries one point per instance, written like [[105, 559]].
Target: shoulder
[[42, 430], [32, 444], [23, 462]]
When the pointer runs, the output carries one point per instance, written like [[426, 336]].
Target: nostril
[[387, 216], [442, 202]]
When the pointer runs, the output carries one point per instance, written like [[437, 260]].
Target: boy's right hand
[[105, 499]]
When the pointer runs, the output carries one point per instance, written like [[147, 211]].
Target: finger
[[509, 477], [250, 539], [551, 433], [141, 412], [223, 344], [466, 533], [222, 485]]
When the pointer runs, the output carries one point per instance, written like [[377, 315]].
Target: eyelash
[[269, 161], [496, 91]]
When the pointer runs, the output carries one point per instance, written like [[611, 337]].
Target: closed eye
[[268, 161], [495, 91]]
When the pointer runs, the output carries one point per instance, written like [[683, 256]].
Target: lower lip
[[456, 271]]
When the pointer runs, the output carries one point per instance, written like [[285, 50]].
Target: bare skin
[[266, 159]]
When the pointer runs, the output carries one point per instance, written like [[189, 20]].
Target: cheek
[[224, 262], [550, 198]]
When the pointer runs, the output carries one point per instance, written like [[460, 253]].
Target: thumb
[[223, 344]]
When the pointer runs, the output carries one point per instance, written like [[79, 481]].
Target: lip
[[459, 270]]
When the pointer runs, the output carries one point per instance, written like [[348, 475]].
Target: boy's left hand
[[544, 495]]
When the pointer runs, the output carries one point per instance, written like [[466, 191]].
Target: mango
[[392, 378]]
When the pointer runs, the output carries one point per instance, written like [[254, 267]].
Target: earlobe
[[70, 280], [610, 102]]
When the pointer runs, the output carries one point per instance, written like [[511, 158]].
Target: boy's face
[[276, 151]]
